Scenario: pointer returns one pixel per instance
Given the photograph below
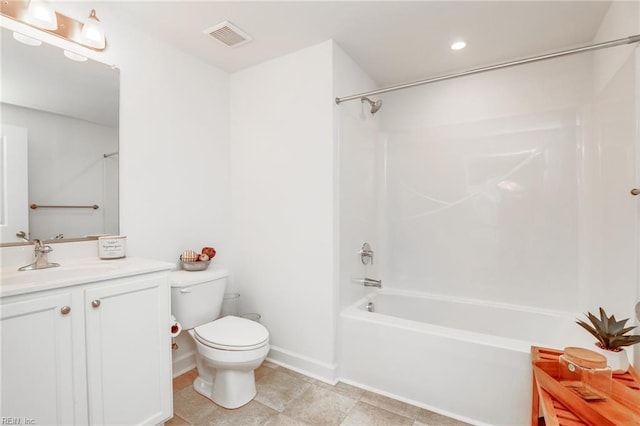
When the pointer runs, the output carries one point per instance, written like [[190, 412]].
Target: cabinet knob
[[65, 310], [635, 191], [95, 303]]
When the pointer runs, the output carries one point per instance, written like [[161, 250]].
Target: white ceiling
[[394, 41]]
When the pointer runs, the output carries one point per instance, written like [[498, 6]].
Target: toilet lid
[[232, 333]]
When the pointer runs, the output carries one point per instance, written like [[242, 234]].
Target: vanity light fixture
[[92, 33], [40, 15], [458, 45]]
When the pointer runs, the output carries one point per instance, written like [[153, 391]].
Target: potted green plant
[[612, 337]]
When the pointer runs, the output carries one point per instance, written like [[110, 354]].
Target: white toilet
[[232, 346]]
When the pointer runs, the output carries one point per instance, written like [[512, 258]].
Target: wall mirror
[[59, 153]]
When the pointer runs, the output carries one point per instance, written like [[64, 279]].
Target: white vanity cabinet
[[128, 352], [37, 360], [95, 353]]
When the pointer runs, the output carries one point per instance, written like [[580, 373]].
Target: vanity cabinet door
[[129, 351], [37, 371]]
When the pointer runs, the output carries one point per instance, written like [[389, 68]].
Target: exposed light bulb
[[74, 56], [92, 33], [42, 15], [26, 39], [458, 45]]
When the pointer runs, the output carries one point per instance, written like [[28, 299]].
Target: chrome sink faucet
[[42, 262], [41, 252]]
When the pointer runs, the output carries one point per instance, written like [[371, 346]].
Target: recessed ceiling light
[[458, 45]]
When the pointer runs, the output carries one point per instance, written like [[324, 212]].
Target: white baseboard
[[304, 365], [183, 363], [293, 361]]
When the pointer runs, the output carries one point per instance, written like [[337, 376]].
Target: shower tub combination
[[463, 358]]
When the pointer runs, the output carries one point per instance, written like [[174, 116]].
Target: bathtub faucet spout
[[370, 282]]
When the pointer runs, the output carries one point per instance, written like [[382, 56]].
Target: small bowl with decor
[[199, 265], [611, 336], [190, 260]]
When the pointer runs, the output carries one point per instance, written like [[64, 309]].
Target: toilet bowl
[[228, 349]]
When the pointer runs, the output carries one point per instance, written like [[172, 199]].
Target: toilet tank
[[196, 296]]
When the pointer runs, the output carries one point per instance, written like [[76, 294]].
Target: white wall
[[282, 185], [66, 167], [174, 152], [174, 145], [174, 140]]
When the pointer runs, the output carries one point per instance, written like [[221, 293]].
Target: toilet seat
[[232, 333]]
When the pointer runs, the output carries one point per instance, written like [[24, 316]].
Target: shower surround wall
[[510, 186], [513, 186], [360, 168], [481, 185]]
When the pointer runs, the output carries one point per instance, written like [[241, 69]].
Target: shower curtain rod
[[603, 45]]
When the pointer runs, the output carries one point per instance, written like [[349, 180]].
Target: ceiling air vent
[[228, 34]]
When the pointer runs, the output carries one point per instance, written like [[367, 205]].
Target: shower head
[[375, 106]]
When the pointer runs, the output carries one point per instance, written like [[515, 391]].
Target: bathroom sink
[[71, 273], [63, 272]]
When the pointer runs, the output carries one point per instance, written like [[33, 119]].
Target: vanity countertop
[[78, 271]]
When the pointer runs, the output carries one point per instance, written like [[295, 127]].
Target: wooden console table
[[560, 406]]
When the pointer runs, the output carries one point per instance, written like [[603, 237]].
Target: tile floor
[[287, 398]]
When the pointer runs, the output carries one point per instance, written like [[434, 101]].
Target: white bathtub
[[463, 358]]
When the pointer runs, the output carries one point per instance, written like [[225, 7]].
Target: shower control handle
[[366, 254], [635, 191]]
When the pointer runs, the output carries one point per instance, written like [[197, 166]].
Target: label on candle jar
[[112, 246]]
